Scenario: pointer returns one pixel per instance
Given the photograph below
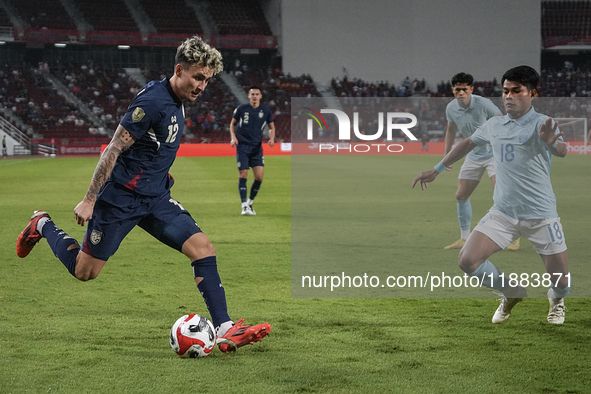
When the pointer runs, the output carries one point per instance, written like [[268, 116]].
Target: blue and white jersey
[[156, 118], [522, 161], [469, 119], [251, 122]]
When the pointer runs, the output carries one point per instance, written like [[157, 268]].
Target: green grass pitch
[[110, 335]]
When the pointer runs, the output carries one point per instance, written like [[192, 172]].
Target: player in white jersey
[[523, 142], [466, 113]]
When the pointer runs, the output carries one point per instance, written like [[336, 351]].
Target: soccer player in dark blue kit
[[131, 186], [246, 129]]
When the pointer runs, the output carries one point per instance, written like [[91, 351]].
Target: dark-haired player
[[466, 113], [246, 130], [131, 187], [523, 143]]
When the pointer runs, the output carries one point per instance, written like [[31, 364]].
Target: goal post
[[575, 131]]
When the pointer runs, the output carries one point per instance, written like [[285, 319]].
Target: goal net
[[575, 130]]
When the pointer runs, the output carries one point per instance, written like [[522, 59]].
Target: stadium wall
[[388, 40], [193, 150]]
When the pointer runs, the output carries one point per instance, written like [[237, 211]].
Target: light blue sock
[[560, 293], [464, 214], [484, 271]]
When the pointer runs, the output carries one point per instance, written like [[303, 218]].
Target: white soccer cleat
[[504, 310], [251, 210], [557, 308], [245, 210]]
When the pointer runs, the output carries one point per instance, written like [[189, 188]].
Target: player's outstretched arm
[[121, 141], [548, 134], [425, 177], [461, 150]]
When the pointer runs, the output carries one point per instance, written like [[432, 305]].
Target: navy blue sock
[[242, 188], [254, 189], [59, 242], [211, 289]]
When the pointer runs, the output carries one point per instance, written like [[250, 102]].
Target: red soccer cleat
[[29, 236], [240, 335]]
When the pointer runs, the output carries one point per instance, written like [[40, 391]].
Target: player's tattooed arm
[[121, 141]]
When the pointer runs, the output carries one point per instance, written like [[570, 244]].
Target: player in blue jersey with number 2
[[523, 143], [246, 130], [131, 187]]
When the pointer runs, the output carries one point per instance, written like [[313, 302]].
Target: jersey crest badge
[[138, 114], [523, 136], [95, 237], [261, 114]]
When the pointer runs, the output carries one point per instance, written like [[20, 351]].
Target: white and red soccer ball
[[192, 336]]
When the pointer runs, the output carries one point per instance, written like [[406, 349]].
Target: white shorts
[[473, 170], [545, 235]]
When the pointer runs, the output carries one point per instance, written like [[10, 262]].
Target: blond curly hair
[[196, 51]]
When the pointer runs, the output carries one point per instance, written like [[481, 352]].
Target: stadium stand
[[277, 87], [239, 17], [111, 15], [359, 88], [107, 90], [567, 81], [44, 14], [27, 93], [172, 18], [4, 18], [565, 21]]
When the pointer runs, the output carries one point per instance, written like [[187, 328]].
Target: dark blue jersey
[[251, 122], [156, 119]]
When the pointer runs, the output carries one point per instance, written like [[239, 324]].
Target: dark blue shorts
[[118, 210], [248, 156]]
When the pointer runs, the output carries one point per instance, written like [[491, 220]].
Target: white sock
[[465, 234], [224, 327], [41, 223], [249, 202], [244, 204]]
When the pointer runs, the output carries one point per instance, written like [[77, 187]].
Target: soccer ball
[[192, 336]]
